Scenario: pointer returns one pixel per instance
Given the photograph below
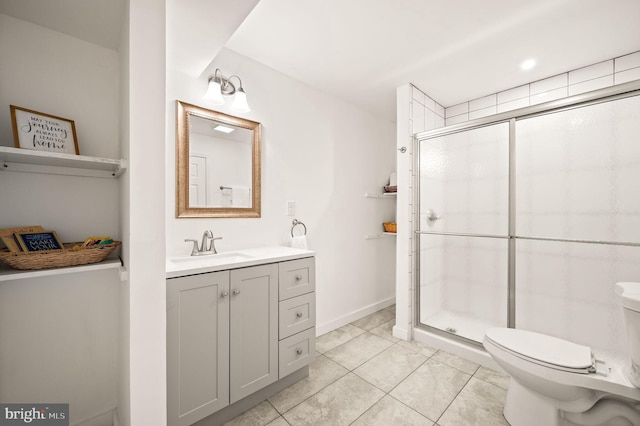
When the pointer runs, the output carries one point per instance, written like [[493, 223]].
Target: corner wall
[[144, 207]]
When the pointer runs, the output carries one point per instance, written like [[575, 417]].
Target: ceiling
[[454, 50], [362, 50], [96, 21]]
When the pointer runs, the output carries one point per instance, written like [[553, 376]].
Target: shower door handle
[[432, 216]]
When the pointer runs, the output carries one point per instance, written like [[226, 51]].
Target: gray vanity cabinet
[[231, 334], [254, 329], [197, 346]]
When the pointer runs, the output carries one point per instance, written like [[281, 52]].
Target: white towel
[[241, 197], [299, 241]]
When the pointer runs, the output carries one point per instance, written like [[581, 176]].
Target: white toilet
[[558, 383]]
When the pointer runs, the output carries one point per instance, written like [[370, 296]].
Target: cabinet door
[[254, 329], [197, 346]]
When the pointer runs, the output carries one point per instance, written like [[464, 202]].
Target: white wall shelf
[[31, 161], [387, 195], [390, 195], [8, 274], [383, 235]]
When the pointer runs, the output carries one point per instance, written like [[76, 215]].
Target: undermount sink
[[212, 259]]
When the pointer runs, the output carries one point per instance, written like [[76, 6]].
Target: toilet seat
[[543, 350]]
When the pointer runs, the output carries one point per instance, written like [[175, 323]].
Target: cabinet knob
[[236, 291], [299, 351], [224, 294], [299, 314], [298, 277]]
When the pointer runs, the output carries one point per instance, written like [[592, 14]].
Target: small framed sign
[[38, 241], [43, 132], [8, 236]]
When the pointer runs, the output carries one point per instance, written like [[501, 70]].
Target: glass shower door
[[577, 220], [463, 231]]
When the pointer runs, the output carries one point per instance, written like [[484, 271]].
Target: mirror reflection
[[219, 164], [218, 158]]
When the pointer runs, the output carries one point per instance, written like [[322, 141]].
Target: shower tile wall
[[597, 76]]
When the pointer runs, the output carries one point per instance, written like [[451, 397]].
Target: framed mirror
[[217, 164]]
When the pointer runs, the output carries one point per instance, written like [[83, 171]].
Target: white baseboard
[[353, 316]]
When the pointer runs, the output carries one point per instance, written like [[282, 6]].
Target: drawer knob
[[299, 314], [236, 291], [298, 277], [224, 294], [299, 351]]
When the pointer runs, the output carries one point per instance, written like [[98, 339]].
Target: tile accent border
[[597, 76]]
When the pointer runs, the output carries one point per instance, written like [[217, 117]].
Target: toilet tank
[[629, 299]]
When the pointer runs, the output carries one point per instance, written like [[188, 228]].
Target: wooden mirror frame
[[184, 112]]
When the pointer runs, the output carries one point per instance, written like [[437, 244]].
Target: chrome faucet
[[204, 249], [205, 236]]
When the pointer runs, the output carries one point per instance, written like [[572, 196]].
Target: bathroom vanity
[[240, 328]]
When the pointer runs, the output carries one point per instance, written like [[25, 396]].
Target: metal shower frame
[[612, 93]]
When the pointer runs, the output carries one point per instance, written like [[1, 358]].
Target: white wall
[[324, 154], [145, 203], [59, 334], [124, 382]]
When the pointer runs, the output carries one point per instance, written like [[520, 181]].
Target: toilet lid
[[546, 349]]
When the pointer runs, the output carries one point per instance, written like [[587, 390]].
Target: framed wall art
[[43, 132]]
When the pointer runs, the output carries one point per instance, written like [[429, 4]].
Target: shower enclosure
[[529, 218]]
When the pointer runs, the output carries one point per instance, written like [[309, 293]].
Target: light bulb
[[240, 101], [214, 93]]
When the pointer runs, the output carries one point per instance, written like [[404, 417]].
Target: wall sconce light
[[218, 86]]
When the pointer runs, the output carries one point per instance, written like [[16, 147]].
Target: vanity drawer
[[297, 277], [297, 314], [297, 351]]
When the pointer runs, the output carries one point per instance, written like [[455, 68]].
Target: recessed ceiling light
[[223, 129], [528, 64]]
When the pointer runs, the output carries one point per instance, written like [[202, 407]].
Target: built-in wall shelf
[[383, 235], [384, 195], [31, 161], [390, 195], [8, 274]]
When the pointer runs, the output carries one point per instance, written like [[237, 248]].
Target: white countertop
[[190, 265]]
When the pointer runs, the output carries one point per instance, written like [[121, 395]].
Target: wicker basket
[[389, 227], [48, 259]]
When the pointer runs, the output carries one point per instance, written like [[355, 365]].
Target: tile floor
[[364, 376]]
